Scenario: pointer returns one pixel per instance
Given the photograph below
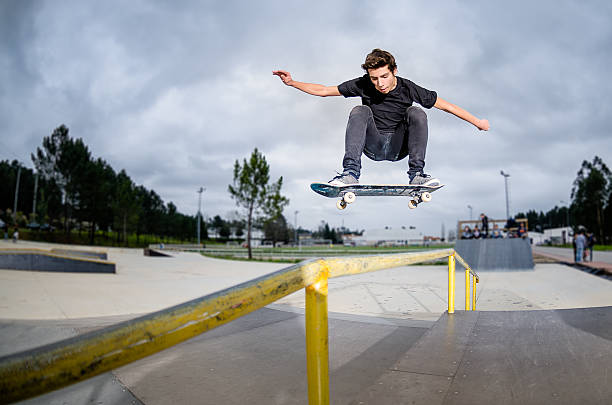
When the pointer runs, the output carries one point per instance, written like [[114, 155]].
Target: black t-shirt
[[388, 109]]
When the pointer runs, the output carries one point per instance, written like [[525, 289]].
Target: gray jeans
[[362, 137]]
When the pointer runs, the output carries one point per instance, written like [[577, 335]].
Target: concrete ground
[[598, 256], [370, 316], [144, 284]]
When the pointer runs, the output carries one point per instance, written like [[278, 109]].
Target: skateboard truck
[[347, 198], [415, 199]]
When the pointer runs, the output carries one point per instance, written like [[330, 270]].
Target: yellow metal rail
[[34, 372]]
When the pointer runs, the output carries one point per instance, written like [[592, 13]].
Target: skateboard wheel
[[349, 197], [412, 204], [341, 204], [426, 197]]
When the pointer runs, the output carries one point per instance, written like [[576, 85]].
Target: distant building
[[555, 236], [389, 236]]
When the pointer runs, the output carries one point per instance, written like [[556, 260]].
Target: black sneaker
[[343, 179], [423, 179]]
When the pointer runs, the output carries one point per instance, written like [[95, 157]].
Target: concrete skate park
[[538, 335]]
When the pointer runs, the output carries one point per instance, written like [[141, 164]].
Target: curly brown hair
[[379, 58]]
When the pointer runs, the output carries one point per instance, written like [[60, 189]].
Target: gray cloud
[[175, 93]]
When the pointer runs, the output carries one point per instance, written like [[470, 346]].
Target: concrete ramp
[[155, 253], [44, 260], [90, 254], [496, 254], [522, 357]]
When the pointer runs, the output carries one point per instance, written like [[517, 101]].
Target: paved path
[[602, 261], [598, 256]]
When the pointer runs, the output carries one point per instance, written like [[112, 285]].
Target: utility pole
[[566, 213], [506, 175], [16, 194], [199, 191], [296, 229], [35, 191]]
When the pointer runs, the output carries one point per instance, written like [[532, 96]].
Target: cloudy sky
[[175, 92]]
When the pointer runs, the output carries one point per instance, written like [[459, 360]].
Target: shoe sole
[[430, 183]]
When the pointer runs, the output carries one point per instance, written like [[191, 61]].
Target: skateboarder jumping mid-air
[[387, 126]]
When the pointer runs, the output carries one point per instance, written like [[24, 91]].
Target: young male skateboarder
[[387, 126]]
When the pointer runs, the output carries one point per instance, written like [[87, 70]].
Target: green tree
[[95, 196], [590, 194], [63, 161], [276, 230], [252, 192], [125, 205]]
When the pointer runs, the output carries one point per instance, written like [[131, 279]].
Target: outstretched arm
[[457, 111], [310, 88]]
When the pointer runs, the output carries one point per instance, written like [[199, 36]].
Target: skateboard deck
[[416, 193]]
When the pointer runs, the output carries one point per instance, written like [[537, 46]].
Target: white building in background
[[555, 236], [387, 236]]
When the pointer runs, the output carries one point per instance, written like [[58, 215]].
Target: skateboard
[[348, 194]]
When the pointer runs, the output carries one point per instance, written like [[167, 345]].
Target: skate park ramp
[[51, 261], [155, 253], [496, 254], [81, 253], [508, 357]]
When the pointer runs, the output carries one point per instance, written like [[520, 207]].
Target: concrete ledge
[[40, 260], [155, 253], [90, 254]]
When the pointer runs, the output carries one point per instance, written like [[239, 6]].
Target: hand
[[284, 76], [483, 125]]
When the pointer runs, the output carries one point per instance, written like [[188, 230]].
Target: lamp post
[[199, 191], [506, 175], [296, 229], [470, 208], [564, 232], [566, 213], [16, 194]]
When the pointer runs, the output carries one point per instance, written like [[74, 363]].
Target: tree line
[[590, 204], [75, 190]]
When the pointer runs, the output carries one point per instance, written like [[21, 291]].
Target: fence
[[34, 372]]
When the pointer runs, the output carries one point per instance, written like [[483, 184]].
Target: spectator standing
[[581, 243], [16, 235], [484, 225], [522, 231], [590, 244]]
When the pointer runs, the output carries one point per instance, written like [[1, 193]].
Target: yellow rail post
[[317, 344], [467, 289], [451, 284], [475, 281]]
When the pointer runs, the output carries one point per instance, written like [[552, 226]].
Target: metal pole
[[474, 282], [506, 175], [295, 230], [317, 342], [199, 210], [467, 290], [470, 208], [35, 192], [566, 213], [16, 194], [451, 284]]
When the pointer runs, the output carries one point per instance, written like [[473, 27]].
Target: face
[[383, 79]]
